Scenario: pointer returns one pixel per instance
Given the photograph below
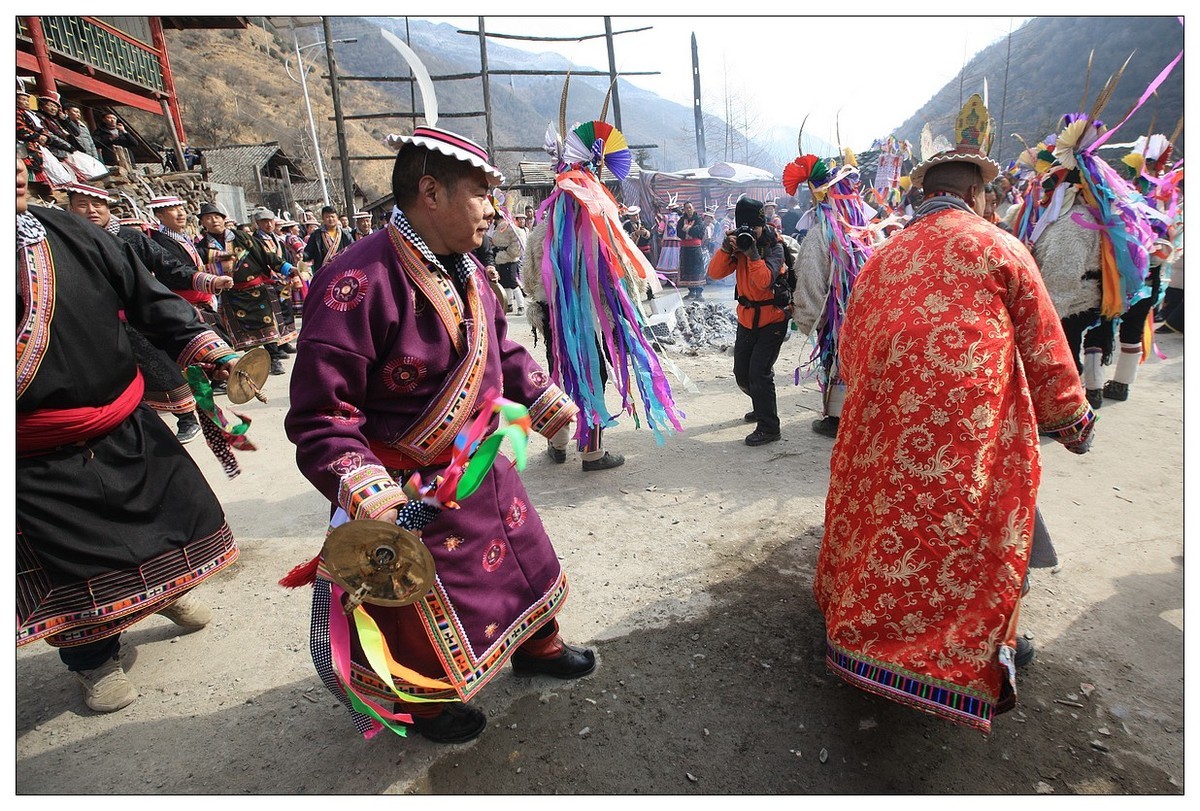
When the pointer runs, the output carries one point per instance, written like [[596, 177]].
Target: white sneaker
[[107, 688], [189, 611]]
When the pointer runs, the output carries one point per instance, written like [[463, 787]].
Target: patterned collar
[[30, 230], [114, 226], [176, 235], [462, 271]]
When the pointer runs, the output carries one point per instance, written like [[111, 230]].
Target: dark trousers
[[754, 354], [91, 655], [1081, 334], [1133, 323]]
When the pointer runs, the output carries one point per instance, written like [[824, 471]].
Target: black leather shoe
[[1095, 398], [749, 416], [288, 348], [572, 663], [276, 366], [761, 438], [457, 723], [1116, 391], [606, 462], [826, 426], [556, 454]]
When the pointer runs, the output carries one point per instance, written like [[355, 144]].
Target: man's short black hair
[[414, 162], [955, 176], [328, 210]]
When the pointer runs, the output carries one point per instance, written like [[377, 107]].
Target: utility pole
[[697, 110], [612, 73], [343, 152]]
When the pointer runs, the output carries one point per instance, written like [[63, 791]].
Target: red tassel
[[303, 575]]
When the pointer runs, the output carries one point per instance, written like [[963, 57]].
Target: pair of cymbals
[[377, 562], [248, 376]]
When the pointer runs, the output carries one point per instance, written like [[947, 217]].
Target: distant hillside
[[233, 88], [1044, 76]]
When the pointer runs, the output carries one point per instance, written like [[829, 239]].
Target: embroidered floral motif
[[494, 556], [515, 516], [490, 630], [402, 374], [539, 378], [347, 292], [346, 462], [452, 542]]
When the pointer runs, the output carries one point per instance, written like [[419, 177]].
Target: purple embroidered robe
[[393, 355]]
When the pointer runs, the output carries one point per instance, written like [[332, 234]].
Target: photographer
[[754, 254]]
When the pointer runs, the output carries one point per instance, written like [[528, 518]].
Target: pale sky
[[786, 67]]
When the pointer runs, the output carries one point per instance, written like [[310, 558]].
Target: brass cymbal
[[377, 562], [248, 376]]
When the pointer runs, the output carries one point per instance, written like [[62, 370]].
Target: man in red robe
[[954, 360]]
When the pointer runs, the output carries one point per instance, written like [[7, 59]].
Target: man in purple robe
[[402, 338]]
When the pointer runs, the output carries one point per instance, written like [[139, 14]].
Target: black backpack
[[785, 283]]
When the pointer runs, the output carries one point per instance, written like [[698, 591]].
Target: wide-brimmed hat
[[166, 201], [363, 215], [451, 145], [211, 208], [633, 211], [973, 138], [90, 191]]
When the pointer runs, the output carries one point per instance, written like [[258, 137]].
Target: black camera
[[744, 238]]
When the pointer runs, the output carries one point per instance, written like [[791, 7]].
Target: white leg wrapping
[[1127, 363], [1093, 377], [835, 396]]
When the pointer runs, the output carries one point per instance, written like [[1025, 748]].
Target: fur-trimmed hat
[[89, 191], [449, 144]]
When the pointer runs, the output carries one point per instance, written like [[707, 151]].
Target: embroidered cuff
[[1076, 437], [205, 349], [551, 411], [368, 492], [204, 282]]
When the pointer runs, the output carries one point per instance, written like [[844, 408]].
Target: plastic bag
[[56, 172], [87, 166]]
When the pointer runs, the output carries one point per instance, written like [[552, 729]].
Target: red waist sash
[[690, 243], [255, 282], [397, 459], [195, 296], [49, 428]]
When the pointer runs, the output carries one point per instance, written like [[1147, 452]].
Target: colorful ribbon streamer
[[220, 433]]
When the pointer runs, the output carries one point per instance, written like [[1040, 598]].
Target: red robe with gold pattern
[[953, 357]]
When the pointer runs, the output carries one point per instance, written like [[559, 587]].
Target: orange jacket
[[753, 282]]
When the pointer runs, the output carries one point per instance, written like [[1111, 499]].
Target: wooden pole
[[347, 179], [697, 110], [487, 91], [612, 73]]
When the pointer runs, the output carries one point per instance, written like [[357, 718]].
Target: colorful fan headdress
[[973, 141], [842, 218], [594, 275]]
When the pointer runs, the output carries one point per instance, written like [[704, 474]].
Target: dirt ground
[[691, 573]]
